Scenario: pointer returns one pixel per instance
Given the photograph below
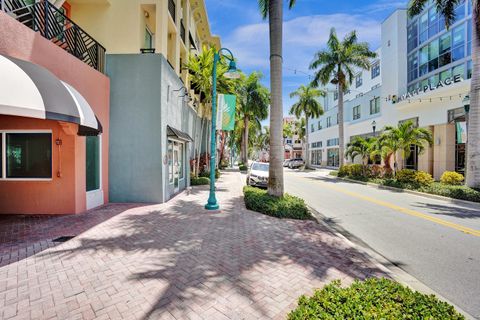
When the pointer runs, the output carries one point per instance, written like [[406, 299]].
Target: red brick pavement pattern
[[175, 261]]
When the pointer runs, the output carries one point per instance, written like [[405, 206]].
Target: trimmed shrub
[[452, 178], [287, 207], [200, 181], [243, 167], [206, 174], [344, 171], [376, 171], [423, 178], [406, 176], [371, 299], [455, 192]]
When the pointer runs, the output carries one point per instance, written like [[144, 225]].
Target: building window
[[337, 119], [148, 39], [358, 80], [335, 95], [412, 36], [469, 69], [375, 105], [180, 161], [458, 43], [312, 127], [93, 163], [356, 112], [289, 141], [332, 142], [329, 122], [27, 155], [319, 125], [375, 70]]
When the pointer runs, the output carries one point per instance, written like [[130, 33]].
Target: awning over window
[[179, 135], [29, 90]]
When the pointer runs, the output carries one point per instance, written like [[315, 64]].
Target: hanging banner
[[226, 112], [461, 132]]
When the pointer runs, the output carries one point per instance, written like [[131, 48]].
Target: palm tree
[[301, 129], [200, 75], [447, 9], [337, 64], [307, 106], [273, 9], [401, 138], [254, 99], [361, 147]]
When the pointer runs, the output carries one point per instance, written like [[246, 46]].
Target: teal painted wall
[[135, 128]]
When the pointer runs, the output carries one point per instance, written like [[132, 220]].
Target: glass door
[[176, 167]]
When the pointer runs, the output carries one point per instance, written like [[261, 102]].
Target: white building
[[422, 73]]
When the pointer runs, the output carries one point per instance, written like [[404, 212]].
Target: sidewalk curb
[[476, 205], [380, 261]]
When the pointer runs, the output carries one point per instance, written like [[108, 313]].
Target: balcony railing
[[182, 32], [52, 24], [172, 9]]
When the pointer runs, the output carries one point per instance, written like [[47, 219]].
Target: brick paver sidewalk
[[176, 261]]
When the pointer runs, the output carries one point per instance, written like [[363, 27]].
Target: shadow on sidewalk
[[200, 255], [22, 236]]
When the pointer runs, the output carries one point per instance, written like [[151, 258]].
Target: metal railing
[[54, 25], [172, 9], [182, 32]]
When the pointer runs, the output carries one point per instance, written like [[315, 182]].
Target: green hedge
[[288, 207], [372, 299], [206, 174], [243, 167], [200, 181]]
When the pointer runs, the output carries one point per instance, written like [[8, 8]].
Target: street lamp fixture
[[232, 73], [374, 127]]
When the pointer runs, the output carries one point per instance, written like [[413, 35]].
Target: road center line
[[405, 210]]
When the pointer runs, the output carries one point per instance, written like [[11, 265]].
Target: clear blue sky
[[306, 28]]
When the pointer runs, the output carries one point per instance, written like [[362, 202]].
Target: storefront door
[[94, 172], [176, 164]]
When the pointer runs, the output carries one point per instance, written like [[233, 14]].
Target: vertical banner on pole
[[226, 112]]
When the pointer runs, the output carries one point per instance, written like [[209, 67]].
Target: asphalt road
[[435, 241]]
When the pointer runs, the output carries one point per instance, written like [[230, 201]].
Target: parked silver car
[[257, 175], [296, 163], [286, 162]]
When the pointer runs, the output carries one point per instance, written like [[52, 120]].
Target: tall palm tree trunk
[[275, 182], [472, 178], [245, 140], [307, 144], [341, 132]]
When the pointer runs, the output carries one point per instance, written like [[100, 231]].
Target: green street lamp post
[[232, 73]]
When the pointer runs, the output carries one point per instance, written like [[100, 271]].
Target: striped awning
[[29, 90]]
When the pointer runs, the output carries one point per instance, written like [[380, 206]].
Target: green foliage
[[423, 178], [352, 170], [243, 167], [206, 174], [286, 207], [452, 178], [333, 173], [337, 63], [402, 137], [361, 147], [455, 192], [308, 104], [371, 299], [200, 181], [406, 176]]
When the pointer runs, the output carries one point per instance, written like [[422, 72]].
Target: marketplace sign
[[441, 84]]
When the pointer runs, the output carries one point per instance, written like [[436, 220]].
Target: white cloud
[[384, 5], [303, 36]]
